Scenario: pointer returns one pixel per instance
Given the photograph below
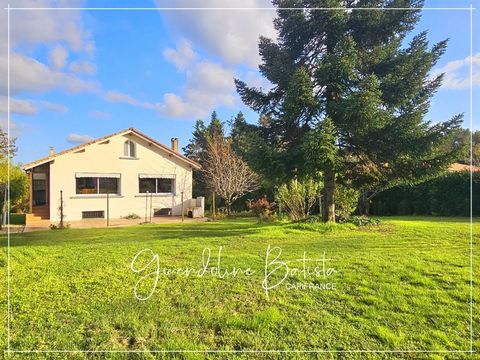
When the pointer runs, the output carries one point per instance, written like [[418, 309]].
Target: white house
[[120, 174]]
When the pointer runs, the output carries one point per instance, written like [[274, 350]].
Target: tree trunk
[[364, 201], [228, 206], [329, 213], [329, 181], [363, 207], [213, 206]]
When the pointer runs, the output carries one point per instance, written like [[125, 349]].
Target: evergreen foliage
[[447, 195], [353, 69]]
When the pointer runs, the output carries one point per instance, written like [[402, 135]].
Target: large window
[[88, 185], [156, 184]]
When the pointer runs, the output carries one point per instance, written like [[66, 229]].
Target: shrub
[[298, 197], [219, 214], [346, 200], [363, 220], [280, 218], [261, 207], [17, 219], [18, 184], [132, 216], [58, 227], [322, 227], [241, 214], [312, 219]]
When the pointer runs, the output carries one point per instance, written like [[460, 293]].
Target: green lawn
[[402, 285]]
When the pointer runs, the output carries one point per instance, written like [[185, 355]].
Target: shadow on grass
[[195, 232], [140, 233]]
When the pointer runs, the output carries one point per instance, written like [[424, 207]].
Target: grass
[[404, 284]]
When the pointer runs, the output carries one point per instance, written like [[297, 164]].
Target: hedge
[[448, 195], [17, 219]]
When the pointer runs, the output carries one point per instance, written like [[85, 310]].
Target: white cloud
[[58, 57], [53, 106], [208, 85], [457, 73], [29, 107], [231, 35], [100, 115], [15, 127], [255, 79], [182, 56], [176, 107], [17, 106], [119, 97], [82, 66], [28, 74], [62, 31], [50, 26], [79, 139]]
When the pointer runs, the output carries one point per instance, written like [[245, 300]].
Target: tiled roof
[[122, 132]]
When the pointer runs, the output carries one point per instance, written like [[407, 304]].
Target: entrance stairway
[[39, 215]]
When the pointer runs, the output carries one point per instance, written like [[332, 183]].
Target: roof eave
[[42, 161]]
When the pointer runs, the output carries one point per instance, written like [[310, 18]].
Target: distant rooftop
[[457, 167]]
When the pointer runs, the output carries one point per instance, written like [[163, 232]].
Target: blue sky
[[82, 74]]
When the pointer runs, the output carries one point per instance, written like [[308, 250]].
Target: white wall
[[107, 158]]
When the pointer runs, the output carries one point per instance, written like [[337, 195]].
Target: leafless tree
[[226, 173], [7, 148]]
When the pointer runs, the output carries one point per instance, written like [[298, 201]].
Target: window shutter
[[132, 149]]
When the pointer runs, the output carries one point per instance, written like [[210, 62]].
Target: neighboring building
[[132, 168], [457, 167]]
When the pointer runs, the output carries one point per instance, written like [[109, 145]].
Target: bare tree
[[7, 148], [226, 173]]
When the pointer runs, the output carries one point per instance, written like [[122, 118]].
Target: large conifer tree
[[350, 76]]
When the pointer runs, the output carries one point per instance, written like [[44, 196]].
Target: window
[[129, 149], [156, 185], [87, 185], [39, 189], [164, 185], [147, 185], [108, 186]]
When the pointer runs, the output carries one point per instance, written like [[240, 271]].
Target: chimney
[[51, 152], [175, 144]]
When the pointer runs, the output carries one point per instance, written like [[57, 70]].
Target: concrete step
[[40, 224], [34, 217]]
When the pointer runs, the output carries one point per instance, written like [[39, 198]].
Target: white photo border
[[9, 159]]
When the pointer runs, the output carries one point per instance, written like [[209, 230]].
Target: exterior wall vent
[[97, 214]]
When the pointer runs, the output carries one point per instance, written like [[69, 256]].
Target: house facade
[[120, 174]]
